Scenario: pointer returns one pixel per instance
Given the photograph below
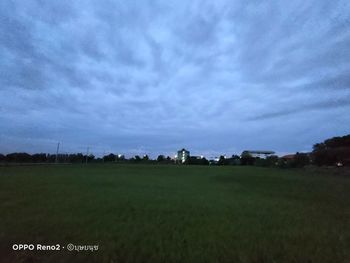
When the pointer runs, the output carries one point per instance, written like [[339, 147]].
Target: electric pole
[[58, 147], [87, 155]]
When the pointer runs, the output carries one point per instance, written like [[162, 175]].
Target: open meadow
[[168, 213]]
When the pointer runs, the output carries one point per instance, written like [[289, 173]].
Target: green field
[[154, 213]]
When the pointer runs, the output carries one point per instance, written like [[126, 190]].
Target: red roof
[[288, 156]]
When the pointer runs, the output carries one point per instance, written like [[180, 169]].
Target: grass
[[170, 213]]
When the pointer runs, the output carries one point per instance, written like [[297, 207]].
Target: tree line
[[331, 152], [22, 157]]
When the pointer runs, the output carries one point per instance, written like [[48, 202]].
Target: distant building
[[258, 154], [288, 157], [197, 157], [182, 156]]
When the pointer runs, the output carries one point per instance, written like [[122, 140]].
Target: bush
[[301, 159]]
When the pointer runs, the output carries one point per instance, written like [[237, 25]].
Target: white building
[[258, 154], [182, 156]]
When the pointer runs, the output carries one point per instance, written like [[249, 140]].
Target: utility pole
[[58, 147], [87, 154]]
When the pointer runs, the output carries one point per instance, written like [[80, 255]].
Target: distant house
[[288, 157], [258, 154], [182, 156], [197, 157]]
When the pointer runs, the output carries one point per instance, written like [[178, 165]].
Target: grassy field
[[174, 214]]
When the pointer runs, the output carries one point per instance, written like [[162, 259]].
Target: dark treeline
[[298, 160], [331, 152], [21, 157]]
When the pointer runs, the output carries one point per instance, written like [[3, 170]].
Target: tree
[[109, 158], [234, 160], [269, 161], [137, 159], [301, 159], [160, 158], [332, 151], [247, 159], [76, 158], [91, 157], [221, 160], [19, 157], [39, 158], [120, 158], [196, 161]]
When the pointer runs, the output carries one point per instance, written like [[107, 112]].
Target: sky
[[152, 77]]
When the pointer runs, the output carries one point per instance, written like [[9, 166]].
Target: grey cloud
[[323, 105], [334, 83]]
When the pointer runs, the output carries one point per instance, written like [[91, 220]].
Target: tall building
[[182, 155]]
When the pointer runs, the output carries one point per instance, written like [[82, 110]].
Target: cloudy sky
[[155, 76]]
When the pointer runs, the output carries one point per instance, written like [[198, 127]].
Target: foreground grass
[[175, 214]]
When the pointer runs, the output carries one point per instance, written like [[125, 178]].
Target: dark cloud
[[323, 106], [155, 76]]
